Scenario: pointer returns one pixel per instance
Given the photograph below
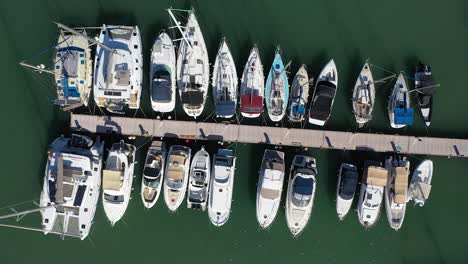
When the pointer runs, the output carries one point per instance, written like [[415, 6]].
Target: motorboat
[[396, 190], [72, 179], [176, 178], [199, 180], [221, 187], [420, 185], [163, 74], [118, 73], [252, 88], [345, 189], [324, 95], [372, 191], [153, 173], [399, 110], [299, 95], [364, 96], [224, 82], [117, 180], [270, 187], [425, 85], [277, 89], [301, 193]]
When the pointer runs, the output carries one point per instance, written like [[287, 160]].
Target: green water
[[394, 34]]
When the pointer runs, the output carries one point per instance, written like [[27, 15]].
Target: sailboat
[[299, 95], [399, 110], [224, 82], [420, 185], [177, 171], [199, 180], [117, 180], [425, 85], [71, 184], [252, 88], [277, 89], [193, 72], [345, 189], [153, 173], [270, 187], [118, 73], [372, 191], [396, 190], [162, 74], [324, 95], [72, 68], [301, 193], [221, 187], [364, 96]]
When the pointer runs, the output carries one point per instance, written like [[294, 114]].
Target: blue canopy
[[225, 108], [403, 116], [69, 91], [303, 186], [299, 109]]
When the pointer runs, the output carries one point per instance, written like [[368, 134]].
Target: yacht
[[162, 74], [153, 173], [399, 110], [118, 66], [364, 96], [345, 189], [270, 187], [199, 180], [252, 88], [301, 193], [277, 89], [177, 170], [224, 82], [221, 187], [117, 180], [425, 85], [371, 194], [324, 95], [420, 185], [71, 185], [299, 95], [396, 190]]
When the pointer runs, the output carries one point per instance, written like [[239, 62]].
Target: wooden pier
[[312, 138]]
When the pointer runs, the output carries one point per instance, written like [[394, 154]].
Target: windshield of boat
[[114, 198], [151, 182], [302, 191], [348, 184], [174, 184]]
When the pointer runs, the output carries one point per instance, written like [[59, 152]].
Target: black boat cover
[[321, 106]]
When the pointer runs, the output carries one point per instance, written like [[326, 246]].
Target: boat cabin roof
[[112, 179], [251, 103], [377, 176], [401, 185]]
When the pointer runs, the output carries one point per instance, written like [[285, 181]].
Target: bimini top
[[303, 186], [192, 97], [112, 180], [321, 107], [348, 184], [252, 104], [225, 108], [162, 90], [401, 185], [403, 116], [377, 176]]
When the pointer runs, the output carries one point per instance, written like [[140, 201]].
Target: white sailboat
[[193, 71], [153, 173], [299, 95], [224, 82], [324, 95], [118, 72], [301, 193], [177, 171], [364, 96], [117, 180], [252, 88], [399, 110], [71, 183], [199, 180], [221, 187], [345, 189], [269, 187], [420, 185], [163, 74], [396, 190]]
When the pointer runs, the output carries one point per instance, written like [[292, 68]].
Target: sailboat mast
[[71, 30], [177, 23], [39, 68]]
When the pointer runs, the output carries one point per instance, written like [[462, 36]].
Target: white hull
[[329, 73], [176, 177], [398, 93], [253, 80], [364, 96], [155, 159], [299, 94], [199, 180], [343, 205], [421, 175]]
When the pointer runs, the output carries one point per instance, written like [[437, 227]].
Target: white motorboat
[[399, 110], [269, 187], [364, 96], [163, 74], [299, 95], [420, 185], [221, 187], [71, 185], [252, 88], [177, 171], [118, 73], [301, 193], [117, 180], [224, 82], [345, 189], [199, 180], [324, 95], [193, 66], [153, 173], [396, 190], [371, 194]]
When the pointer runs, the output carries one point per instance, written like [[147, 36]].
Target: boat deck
[[449, 147]]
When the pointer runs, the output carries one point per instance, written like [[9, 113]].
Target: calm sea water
[[394, 34]]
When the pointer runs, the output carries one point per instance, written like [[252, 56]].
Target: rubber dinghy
[[324, 95]]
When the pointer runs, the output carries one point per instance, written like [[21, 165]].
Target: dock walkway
[[312, 138]]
